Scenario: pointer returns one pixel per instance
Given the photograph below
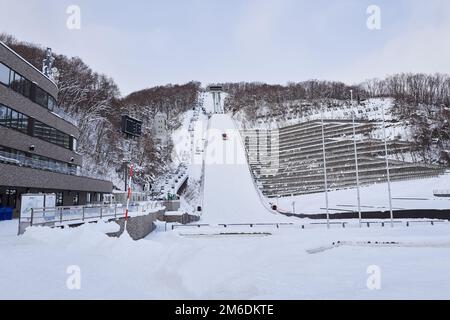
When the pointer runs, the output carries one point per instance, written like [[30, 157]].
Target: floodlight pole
[[387, 167], [356, 161], [325, 169]]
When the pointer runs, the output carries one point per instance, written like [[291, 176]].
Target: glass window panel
[[23, 123], [3, 115], [4, 74], [41, 97], [51, 103], [14, 122], [26, 88]]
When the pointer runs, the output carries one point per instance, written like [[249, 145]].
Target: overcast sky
[[142, 43]]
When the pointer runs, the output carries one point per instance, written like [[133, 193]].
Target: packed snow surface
[[410, 194], [230, 195], [183, 264]]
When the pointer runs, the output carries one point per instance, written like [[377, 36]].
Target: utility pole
[[356, 161], [325, 169], [387, 167]]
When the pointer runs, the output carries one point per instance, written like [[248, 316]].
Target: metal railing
[[442, 193], [80, 214], [343, 224], [23, 161]]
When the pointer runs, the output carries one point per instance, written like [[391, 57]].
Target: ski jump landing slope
[[229, 193]]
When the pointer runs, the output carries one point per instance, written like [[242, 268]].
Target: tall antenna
[[47, 64]]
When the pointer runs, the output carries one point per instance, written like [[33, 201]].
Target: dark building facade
[[37, 146]]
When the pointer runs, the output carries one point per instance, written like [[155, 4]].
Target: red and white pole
[[129, 192]]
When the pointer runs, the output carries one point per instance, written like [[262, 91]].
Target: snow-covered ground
[[237, 262], [168, 265], [411, 194]]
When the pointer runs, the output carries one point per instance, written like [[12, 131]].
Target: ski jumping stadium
[[274, 177]]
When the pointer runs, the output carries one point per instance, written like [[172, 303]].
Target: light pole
[[387, 167], [325, 169], [356, 160]]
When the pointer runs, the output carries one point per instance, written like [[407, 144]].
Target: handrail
[[45, 216], [344, 224]]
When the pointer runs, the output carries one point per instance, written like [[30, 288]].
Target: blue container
[[2, 214], [8, 214]]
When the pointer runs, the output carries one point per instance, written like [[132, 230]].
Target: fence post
[[60, 215], [101, 212], [82, 210], [115, 211], [32, 216]]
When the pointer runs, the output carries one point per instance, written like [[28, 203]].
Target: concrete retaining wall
[[172, 205], [138, 227], [183, 219]]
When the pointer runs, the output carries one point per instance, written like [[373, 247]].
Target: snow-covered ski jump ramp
[[230, 195]]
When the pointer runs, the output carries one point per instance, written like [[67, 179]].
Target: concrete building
[[37, 146], [160, 127]]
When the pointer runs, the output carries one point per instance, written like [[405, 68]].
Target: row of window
[[60, 199], [9, 198], [52, 135], [20, 158], [13, 119], [16, 120], [25, 87]]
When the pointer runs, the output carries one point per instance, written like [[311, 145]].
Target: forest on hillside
[[422, 102], [95, 104]]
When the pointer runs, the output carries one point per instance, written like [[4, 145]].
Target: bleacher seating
[[296, 155]]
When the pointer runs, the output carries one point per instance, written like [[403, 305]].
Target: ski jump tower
[[216, 91]]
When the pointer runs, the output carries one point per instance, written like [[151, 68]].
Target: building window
[[10, 198], [13, 119], [52, 135], [41, 97], [16, 157], [51, 103], [24, 86], [76, 199], [74, 144], [88, 198], [20, 84], [59, 199], [4, 74]]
